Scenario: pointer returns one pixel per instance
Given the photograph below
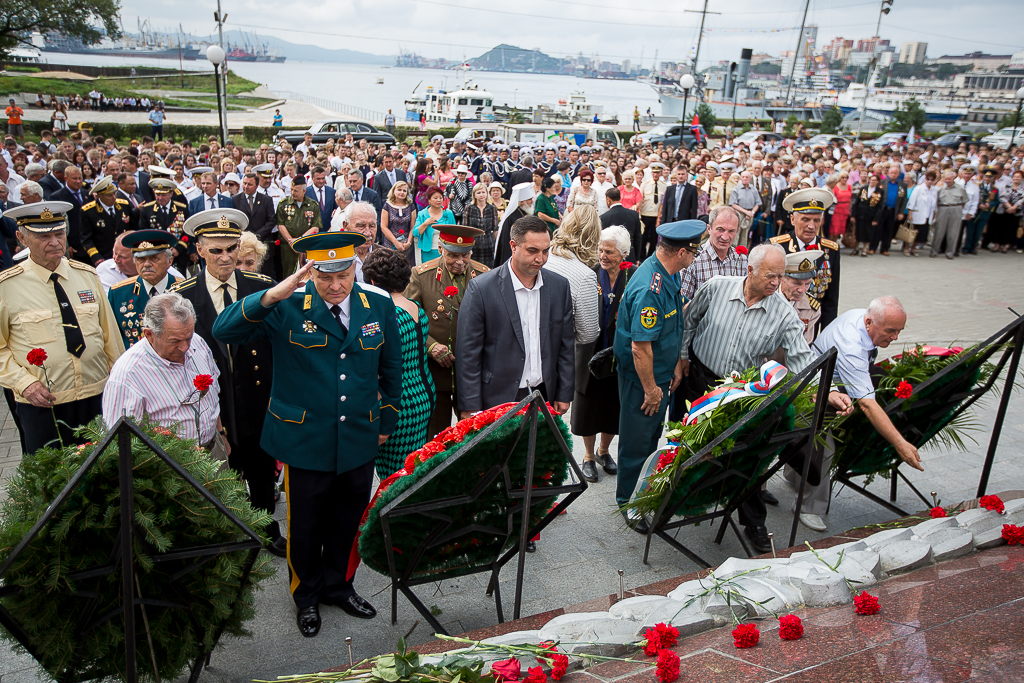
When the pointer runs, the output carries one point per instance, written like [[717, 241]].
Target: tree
[[1014, 118], [832, 121], [911, 114], [706, 116], [71, 18]]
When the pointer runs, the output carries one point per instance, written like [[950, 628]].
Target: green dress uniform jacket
[[324, 414], [297, 218], [651, 310], [99, 229], [128, 299]]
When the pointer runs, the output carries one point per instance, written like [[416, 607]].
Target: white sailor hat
[[216, 223], [46, 216], [812, 200], [232, 178], [200, 170], [437, 137], [800, 264], [265, 170], [159, 170]]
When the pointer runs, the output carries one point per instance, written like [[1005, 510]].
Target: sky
[[612, 29]]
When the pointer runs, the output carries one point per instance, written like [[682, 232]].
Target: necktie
[[872, 355], [152, 292], [72, 333], [210, 202], [336, 311], [320, 197], [78, 197], [227, 295], [250, 203], [655, 190]]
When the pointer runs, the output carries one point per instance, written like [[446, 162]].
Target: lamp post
[[1016, 119], [215, 54], [686, 82]]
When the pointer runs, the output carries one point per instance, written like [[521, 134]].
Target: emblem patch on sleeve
[[648, 317]]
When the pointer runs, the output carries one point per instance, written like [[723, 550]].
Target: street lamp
[[686, 82], [1016, 119], [215, 53]]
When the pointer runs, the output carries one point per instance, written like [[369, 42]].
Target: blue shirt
[[856, 351], [892, 190], [651, 310], [157, 117]]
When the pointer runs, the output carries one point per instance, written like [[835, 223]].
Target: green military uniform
[[426, 287], [128, 299], [297, 218]]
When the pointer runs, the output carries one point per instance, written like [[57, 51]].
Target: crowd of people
[[359, 299]]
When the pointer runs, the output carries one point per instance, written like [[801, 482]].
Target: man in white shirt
[[921, 206]]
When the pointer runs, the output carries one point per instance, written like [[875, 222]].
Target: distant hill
[[304, 53], [511, 58]]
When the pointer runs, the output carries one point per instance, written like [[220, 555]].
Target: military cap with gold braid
[[40, 216], [800, 264], [162, 185], [149, 242], [457, 239], [332, 252], [265, 170], [216, 223], [104, 185], [811, 200]]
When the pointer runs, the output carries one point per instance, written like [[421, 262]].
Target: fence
[[359, 112]]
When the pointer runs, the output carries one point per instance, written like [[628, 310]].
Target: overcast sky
[[613, 29]]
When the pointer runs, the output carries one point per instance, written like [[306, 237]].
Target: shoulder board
[[478, 266], [183, 284], [181, 204], [375, 290], [123, 283], [147, 204], [82, 266], [779, 239], [11, 272], [255, 276], [90, 205], [656, 283], [121, 201], [829, 244]]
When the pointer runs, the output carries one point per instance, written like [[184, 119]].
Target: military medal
[[435, 316], [123, 308], [100, 223], [308, 326]]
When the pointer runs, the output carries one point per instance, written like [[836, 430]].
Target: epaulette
[[255, 276], [183, 284], [181, 204], [121, 201], [830, 244], [86, 207], [82, 266], [478, 266], [122, 283], [147, 204], [656, 283], [779, 239], [11, 272]]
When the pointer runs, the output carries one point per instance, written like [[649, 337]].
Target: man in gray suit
[[388, 177], [516, 330]]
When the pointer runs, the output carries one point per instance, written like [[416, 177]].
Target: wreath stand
[[787, 444], [121, 557], [933, 413], [519, 502]]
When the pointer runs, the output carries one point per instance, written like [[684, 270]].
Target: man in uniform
[[298, 215], [246, 371], [795, 283], [166, 213], [648, 337], [103, 219], [168, 174], [267, 185], [326, 432], [652, 194], [426, 287], [151, 252], [806, 209], [48, 302]]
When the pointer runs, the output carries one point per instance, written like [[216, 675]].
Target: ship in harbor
[[253, 52], [885, 101], [146, 43]]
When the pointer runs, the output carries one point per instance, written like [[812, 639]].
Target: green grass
[[122, 87]]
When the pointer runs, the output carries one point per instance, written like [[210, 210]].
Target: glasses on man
[[217, 251]]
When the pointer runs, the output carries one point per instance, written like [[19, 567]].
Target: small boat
[[380, 81]]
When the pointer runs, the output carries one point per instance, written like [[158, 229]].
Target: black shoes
[[278, 547], [590, 470], [758, 537], [531, 547], [607, 464], [637, 524], [308, 620], [769, 498], [354, 606]]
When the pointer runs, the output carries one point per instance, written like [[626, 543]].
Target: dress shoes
[[637, 524], [769, 498], [308, 620], [758, 537], [589, 470], [607, 464], [278, 547], [813, 522], [353, 605]]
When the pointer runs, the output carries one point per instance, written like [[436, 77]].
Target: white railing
[[359, 112]]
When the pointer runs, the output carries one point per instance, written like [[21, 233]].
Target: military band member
[[795, 283], [103, 219], [427, 288], [151, 252], [326, 431], [297, 216], [167, 213], [48, 302], [806, 208]]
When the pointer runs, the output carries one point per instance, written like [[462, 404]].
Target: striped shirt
[[143, 384], [707, 265], [585, 292], [726, 335]]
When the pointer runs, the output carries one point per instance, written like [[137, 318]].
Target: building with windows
[[913, 53]]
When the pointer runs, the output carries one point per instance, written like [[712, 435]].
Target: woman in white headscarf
[[520, 203]]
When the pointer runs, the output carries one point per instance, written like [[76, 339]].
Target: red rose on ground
[[1013, 535], [668, 666], [666, 459], [625, 265], [745, 635], [203, 382], [742, 250], [937, 512], [866, 604], [536, 675], [451, 291], [507, 670], [904, 390], [36, 357], [992, 503], [559, 663], [790, 627]]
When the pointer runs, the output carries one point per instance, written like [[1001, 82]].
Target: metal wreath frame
[[791, 442], [1011, 340], [121, 555], [521, 500]]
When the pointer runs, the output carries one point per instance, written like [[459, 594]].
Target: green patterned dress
[[417, 396]]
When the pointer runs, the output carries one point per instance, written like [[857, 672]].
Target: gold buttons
[[255, 367], [254, 352]]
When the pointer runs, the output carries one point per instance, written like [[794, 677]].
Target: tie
[[250, 203], [210, 200], [872, 355], [152, 292], [320, 196], [655, 190], [78, 197], [336, 311], [72, 333], [227, 295]]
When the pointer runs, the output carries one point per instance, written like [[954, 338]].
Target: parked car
[[1001, 138], [750, 136], [326, 130], [668, 133], [825, 140], [886, 140], [953, 139]]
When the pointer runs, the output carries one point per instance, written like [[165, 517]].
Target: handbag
[[906, 234], [602, 363], [850, 238]]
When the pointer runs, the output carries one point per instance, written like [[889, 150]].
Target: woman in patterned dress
[[390, 270]]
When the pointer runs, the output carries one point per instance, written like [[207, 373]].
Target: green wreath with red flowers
[[485, 520]]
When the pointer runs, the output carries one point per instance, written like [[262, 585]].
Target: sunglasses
[[217, 251]]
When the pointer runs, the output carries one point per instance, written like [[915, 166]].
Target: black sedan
[[323, 131], [953, 139]]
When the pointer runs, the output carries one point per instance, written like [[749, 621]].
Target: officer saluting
[[151, 251], [806, 209], [648, 340], [103, 219], [326, 432], [167, 213]]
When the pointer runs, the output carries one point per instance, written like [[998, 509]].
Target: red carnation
[[481, 420], [742, 250], [625, 265], [745, 635], [904, 390], [202, 382], [536, 675], [451, 291], [506, 670], [559, 663], [449, 436], [277, 243], [668, 634], [666, 459], [410, 462], [184, 238], [1013, 534], [36, 357], [937, 512], [992, 503], [866, 604], [431, 448], [790, 627], [668, 666]]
